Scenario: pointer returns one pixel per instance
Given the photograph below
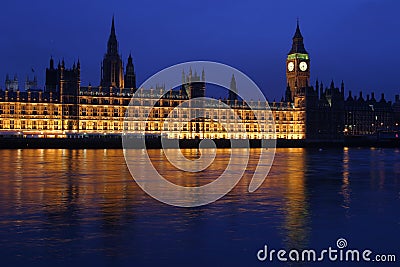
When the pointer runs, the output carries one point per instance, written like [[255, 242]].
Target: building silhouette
[[233, 90], [31, 84], [12, 84], [130, 76], [193, 84], [112, 68], [66, 108]]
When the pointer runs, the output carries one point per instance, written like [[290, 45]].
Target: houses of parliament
[[64, 108]]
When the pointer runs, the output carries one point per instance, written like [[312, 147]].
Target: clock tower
[[297, 65]]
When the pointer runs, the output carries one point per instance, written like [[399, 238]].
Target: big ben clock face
[[290, 66], [303, 66]]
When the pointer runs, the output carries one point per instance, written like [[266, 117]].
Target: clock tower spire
[[297, 64]]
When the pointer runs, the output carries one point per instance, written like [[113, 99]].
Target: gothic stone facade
[[65, 108]]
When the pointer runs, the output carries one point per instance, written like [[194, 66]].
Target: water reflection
[[297, 207], [62, 207], [346, 182]]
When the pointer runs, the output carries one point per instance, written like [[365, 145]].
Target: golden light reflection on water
[[289, 168], [62, 182], [57, 204], [189, 179], [346, 181], [52, 181]]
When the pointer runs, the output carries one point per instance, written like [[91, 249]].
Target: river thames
[[82, 208]]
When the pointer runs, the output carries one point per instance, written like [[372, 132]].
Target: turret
[[350, 96], [321, 90], [130, 76], [383, 100], [373, 97], [342, 88], [51, 63], [232, 96]]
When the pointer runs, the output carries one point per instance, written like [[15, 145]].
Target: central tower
[[112, 72], [297, 65]]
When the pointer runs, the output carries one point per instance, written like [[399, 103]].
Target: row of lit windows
[[102, 111], [104, 101], [279, 126], [288, 123], [54, 109], [143, 113], [56, 125], [234, 136], [185, 126], [209, 130], [100, 125], [157, 125], [30, 124], [29, 109]]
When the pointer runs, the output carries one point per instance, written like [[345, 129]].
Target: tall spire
[[112, 73], [112, 45], [233, 89], [342, 88], [130, 59], [233, 84], [113, 26], [298, 45], [51, 63], [297, 34]]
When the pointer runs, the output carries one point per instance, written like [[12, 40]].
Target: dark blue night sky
[[357, 41]]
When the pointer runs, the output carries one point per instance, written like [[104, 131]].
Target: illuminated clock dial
[[290, 66], [303, 66]]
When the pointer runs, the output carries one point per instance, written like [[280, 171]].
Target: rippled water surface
[[82, 208]]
